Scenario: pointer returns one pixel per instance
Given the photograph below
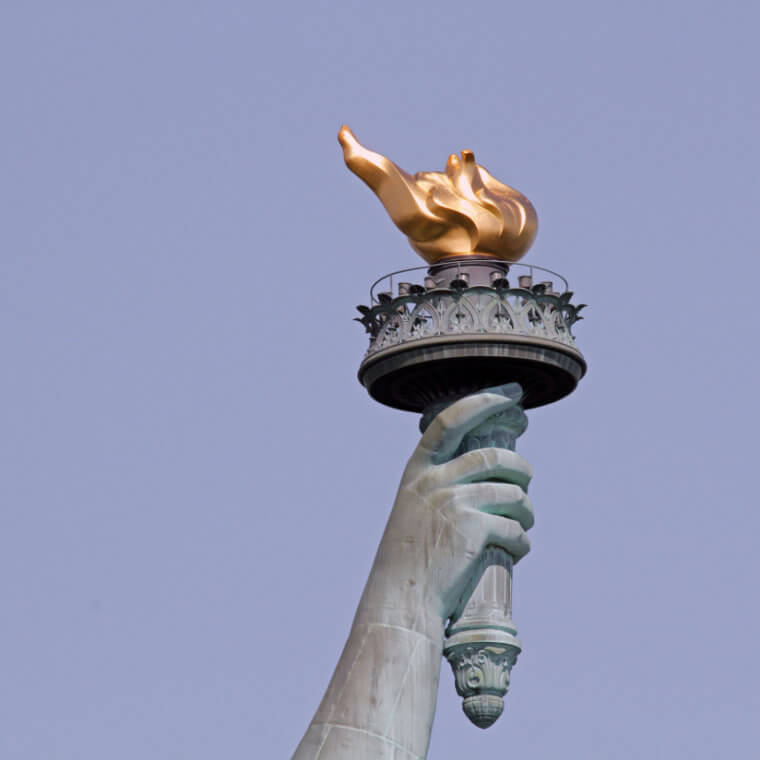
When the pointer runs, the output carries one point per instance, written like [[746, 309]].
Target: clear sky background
[[194, 483]]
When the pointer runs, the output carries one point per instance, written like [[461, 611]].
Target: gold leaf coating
[[463, 211]]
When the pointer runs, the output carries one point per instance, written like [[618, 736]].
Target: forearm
[[381, 699]]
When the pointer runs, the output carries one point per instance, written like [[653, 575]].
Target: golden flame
[[462, 212]]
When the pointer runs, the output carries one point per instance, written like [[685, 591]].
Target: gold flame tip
[[463, 211]]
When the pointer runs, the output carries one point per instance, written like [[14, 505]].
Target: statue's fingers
[[506, 534], [500, 499], [492, 464], [444, 434]]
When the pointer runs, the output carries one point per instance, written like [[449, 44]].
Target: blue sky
[[195, 483]]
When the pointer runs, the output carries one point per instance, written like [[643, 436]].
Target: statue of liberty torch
[[469, 345]]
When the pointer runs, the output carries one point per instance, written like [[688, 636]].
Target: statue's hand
[[448, 509]]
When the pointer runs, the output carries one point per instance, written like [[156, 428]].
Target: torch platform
[[432, 344]]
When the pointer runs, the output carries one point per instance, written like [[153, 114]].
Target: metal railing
[[527, 269]]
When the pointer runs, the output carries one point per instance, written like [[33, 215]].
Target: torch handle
[[481, 642]]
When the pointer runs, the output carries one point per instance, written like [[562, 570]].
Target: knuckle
[[446, 420], [512, 492], [492, 457], [524, 548]]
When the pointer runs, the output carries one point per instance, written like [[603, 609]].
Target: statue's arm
[[381, 699], [380, 702]]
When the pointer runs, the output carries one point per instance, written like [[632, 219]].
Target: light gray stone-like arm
[[381, 700]]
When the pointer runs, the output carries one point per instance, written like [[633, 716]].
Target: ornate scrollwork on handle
[[481, 675], [482, 668]]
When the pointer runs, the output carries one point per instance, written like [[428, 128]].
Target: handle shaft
[[481, 641]]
